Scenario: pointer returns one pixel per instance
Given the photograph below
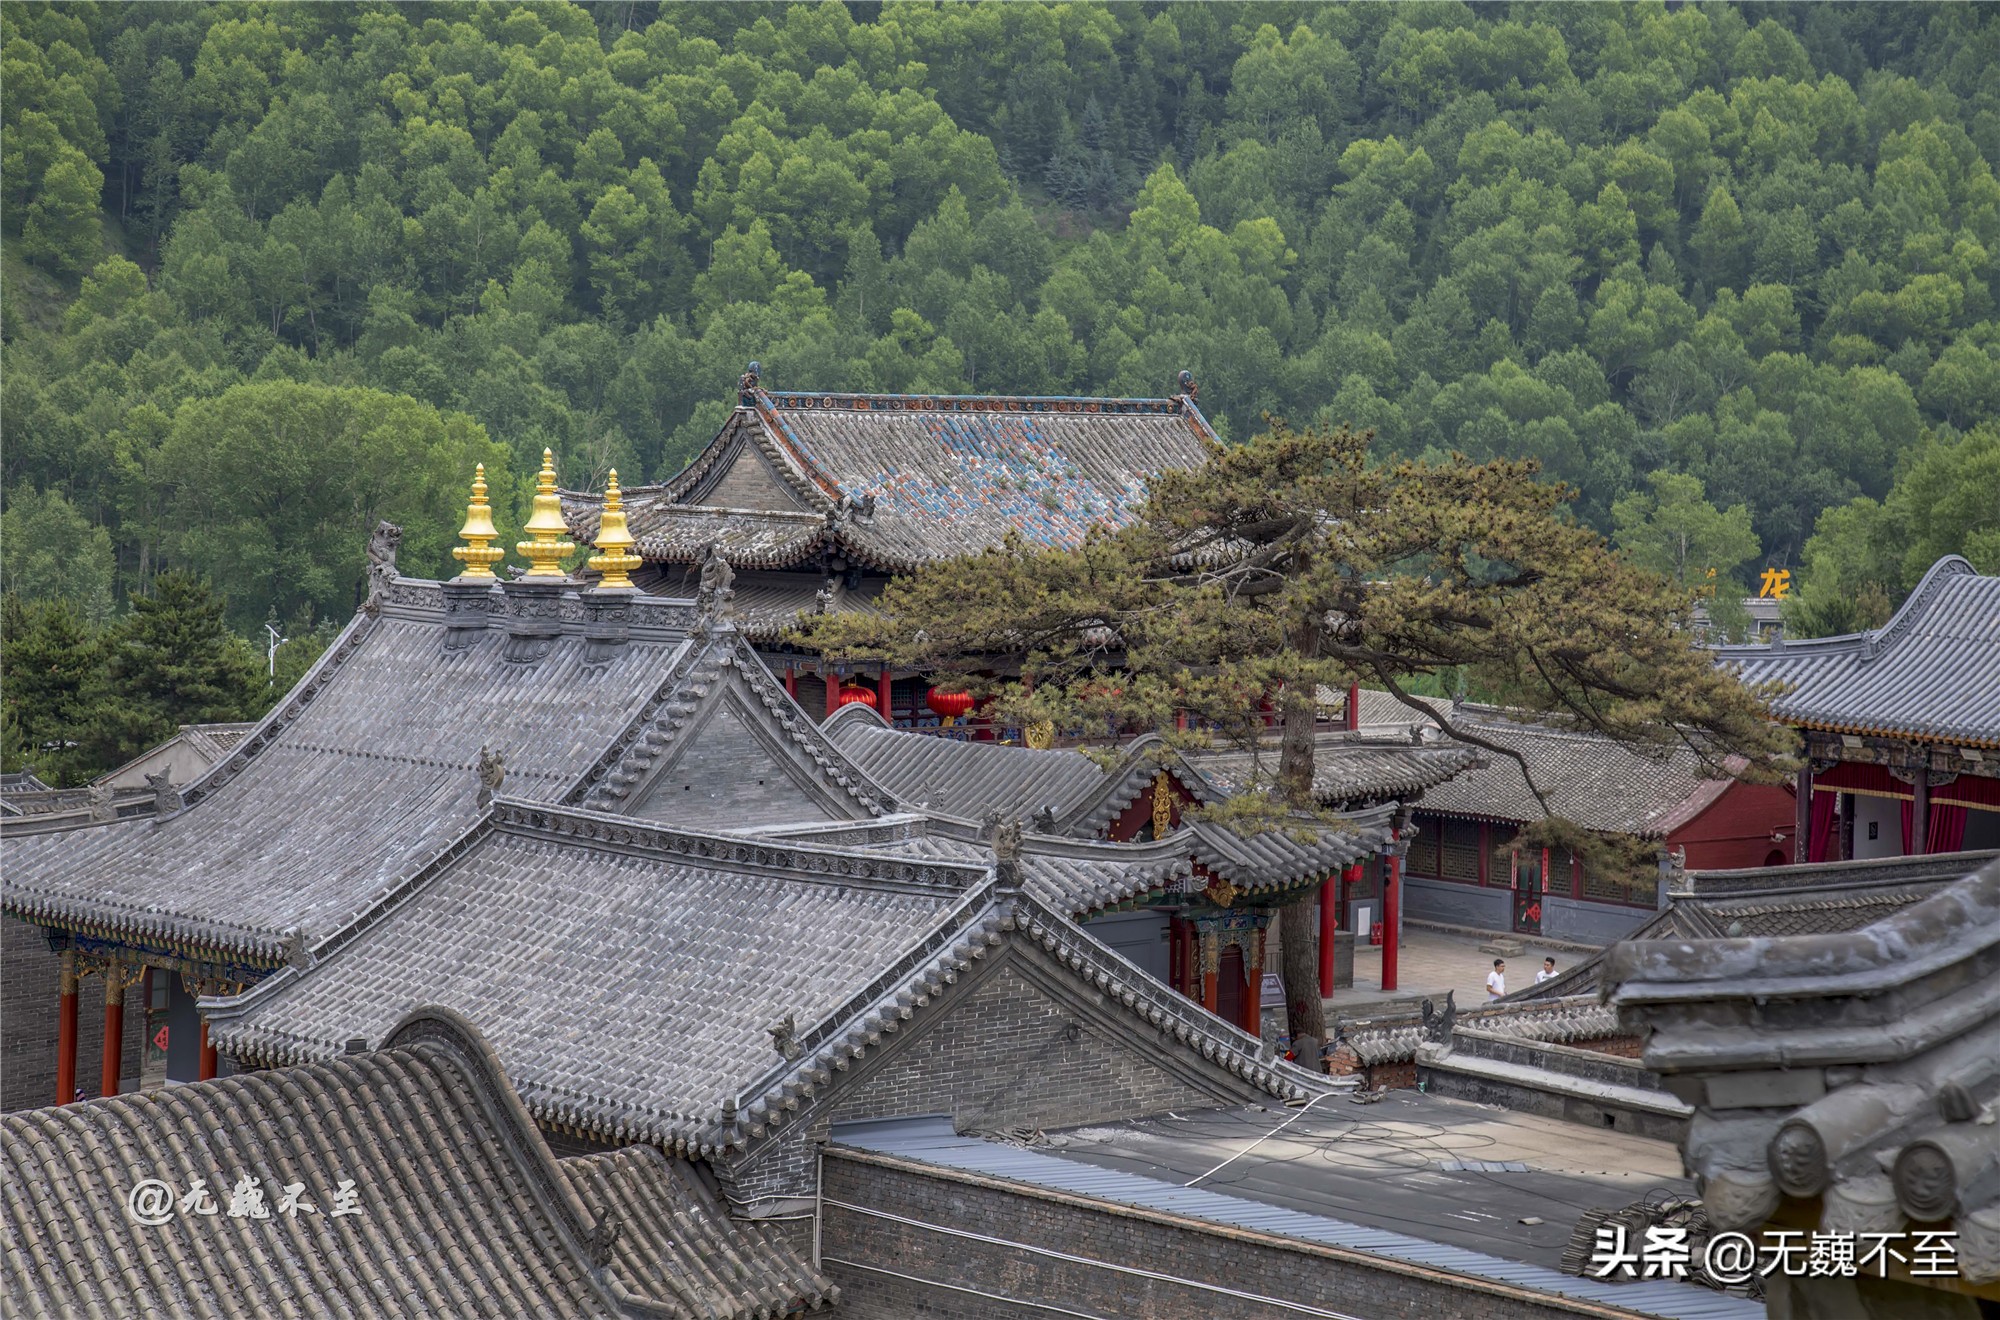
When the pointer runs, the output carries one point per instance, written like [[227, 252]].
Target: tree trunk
[[1298, 926]]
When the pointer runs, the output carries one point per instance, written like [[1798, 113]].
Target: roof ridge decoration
[[655, 739], [1141, 761]]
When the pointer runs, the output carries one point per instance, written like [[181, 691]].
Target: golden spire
[[479, 554], [544, 549], [614, 559]]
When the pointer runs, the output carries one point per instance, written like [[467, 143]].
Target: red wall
[[1735, 830]]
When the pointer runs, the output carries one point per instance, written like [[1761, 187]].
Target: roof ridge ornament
[[614, 560], [545, 547], [1189, 390], [713, 596], [746, 384], [478, 554]]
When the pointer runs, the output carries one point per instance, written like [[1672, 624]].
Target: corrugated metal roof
[[931, 1140], [1933, 671]]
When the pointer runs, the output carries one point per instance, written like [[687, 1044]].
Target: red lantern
[[951, 705], [850, 695]]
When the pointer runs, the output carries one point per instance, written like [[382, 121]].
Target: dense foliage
[[1750, 247]]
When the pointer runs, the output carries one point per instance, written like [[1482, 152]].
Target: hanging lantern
[[864, 695], [951, 705]]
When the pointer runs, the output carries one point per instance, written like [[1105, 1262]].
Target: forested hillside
[[274, 271]]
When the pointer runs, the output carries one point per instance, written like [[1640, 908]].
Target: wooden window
[[1458, 849]]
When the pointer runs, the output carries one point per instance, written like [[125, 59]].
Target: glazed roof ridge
[[1921, 599]]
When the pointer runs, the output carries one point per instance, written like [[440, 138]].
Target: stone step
[[1502, 947]]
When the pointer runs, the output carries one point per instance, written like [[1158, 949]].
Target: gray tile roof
[[632, 975], [965, 779], [1364, 765], [1824, 898], [677, 1246], [367, 766], [721, 745], [948, 475], [1595, 781], [1932, 671], [461, 1209], [1084, 876], [768, 603], [1854, 1074]]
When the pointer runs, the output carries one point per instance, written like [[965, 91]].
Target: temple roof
[[894, 481], [367, 766], [1818, 898], [964, 779], [1932, 671], [1371, 763], [634, 976], [461, 1208], [1081, 876], [1856, 1073]]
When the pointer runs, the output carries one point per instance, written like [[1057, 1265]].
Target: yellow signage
[[1776, 585]]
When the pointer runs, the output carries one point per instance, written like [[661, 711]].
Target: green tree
[[171, 661], [279, 484], [1674, 531], [1294, 561], [50, 551], [52, 657]]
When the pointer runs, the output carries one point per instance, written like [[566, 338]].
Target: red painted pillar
[[1253, 988], [1392, 884], [207, 1053], [1802, 813], [114, 1029], [884, 695], [66, 1029], [1209, 998], [1353, 705], [1920, 815], [791, 683], [832, 690], [1329, 921]]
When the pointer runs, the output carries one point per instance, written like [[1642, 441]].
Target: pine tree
[[172, 661], [52, 658], [1293, 562]]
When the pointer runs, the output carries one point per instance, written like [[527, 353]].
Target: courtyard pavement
[[1434, 961]]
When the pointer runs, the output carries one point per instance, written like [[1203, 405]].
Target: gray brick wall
[[28, 978], [1005, 1053], [865, 1253]]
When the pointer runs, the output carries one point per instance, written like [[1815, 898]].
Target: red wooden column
[[791, 683], [1392, 884], [832, 689], [1353, 706], [207, 1054], [1211, 957], [66, 1029], [1253, 985], [1329, 921], [1920, 814], [884, 694], [114, 1028], [1802, 813]]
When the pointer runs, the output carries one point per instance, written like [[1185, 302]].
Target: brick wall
[[1023, 1043], [28, 980], [864, 1253]]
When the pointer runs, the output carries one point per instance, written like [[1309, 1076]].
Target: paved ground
[[1433, 961]]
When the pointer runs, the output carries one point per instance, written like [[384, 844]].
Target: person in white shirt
[[1496, 980], [1548, 972]]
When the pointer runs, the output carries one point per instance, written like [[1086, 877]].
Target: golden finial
[[614, 559], [479, 554], [544, 549]]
